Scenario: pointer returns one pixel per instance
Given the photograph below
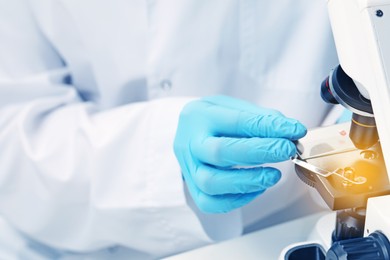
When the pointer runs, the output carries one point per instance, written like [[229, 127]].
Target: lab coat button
[[166, 84]]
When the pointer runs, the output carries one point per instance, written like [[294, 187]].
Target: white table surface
[[263, 244]]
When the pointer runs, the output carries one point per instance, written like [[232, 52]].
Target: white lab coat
[[90, 93]]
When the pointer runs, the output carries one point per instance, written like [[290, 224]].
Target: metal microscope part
[[331, 150], [325, 173], [331, 153]]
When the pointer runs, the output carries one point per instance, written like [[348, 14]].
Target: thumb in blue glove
[[216, 134]]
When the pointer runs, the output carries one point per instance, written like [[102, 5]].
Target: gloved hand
[[216, 134]]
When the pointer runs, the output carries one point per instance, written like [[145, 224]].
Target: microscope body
[[361, 83], [361, 30]]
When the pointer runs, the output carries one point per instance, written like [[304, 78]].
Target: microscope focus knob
[[374, 247], [349, 224]]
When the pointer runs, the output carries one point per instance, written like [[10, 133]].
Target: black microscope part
[[343, 88], [374, 247]]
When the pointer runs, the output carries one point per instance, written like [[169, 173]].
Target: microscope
[[351, 169]]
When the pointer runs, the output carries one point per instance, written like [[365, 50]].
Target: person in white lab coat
[[90, 97]]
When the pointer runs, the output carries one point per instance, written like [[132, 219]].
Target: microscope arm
[[361, 29]]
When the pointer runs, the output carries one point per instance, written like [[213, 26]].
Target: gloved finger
[[232, 122], [239, 104], [227, 152], [214, 181], [244, 106], [219, 203], [250, 124]]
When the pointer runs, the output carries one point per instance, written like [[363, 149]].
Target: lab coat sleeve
[[81, 179]]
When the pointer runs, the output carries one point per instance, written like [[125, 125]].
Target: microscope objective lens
[[369, 155]]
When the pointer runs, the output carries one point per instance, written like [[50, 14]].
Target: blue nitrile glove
[[217, 133]]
